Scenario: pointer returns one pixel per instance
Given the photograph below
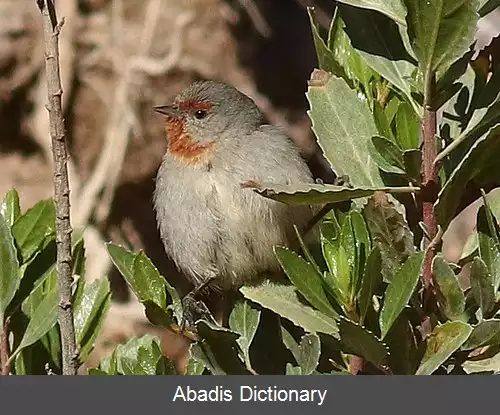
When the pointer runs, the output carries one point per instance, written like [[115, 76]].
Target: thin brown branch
[[51, 30], [429, 174], [4, 348]]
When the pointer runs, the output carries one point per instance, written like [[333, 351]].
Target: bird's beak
[[168, 110]]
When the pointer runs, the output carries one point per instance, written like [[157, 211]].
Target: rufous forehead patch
[[190, 105]]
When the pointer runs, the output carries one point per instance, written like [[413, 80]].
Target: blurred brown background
[[119, 58]]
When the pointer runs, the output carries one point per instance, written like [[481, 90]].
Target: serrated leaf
[[293, 370], [308, 194], [34, 227], [310, 351], [140, 273], [441, 344], [407, 127], [484, 152], [481, 282], [390, 232], [372, 279], [393, 9], [451, 299], [9, 267], [440, 30], [10, 208], [360, 341], [89, 313], [42, 319], [404, 357], [139, 356], [244, 320], [486, 333], [343, 141], [400, 291], [387, 155], [378, 40], [283, 300]]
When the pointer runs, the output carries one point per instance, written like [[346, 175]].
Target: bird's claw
[[342, 181], [192, 308]]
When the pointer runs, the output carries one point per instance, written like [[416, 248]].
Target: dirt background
[[119, 58]]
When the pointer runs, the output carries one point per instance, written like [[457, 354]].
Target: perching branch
[[429, 173], [4, 348], [51, 29]]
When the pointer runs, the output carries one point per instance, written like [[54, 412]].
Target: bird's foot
[[193, 308], [342, 181]]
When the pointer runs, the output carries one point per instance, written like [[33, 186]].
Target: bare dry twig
[[51, 30]]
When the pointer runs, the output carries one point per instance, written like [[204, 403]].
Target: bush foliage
[[401, 105]]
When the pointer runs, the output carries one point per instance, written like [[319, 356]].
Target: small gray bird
[[216, 229]]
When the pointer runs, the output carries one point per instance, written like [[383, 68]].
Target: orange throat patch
[[182, 146]]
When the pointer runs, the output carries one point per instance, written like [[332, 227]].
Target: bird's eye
[[200, 114]]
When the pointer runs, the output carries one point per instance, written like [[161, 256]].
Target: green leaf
[[393, 9], [487, 365], [387, 155], [139, 356], [42, 319], [10, 208], [326, 58], [407, 127], [220, 350], [283, 300], [140, 273], [149, 280], [362, 342], [441, 344], [244, 320], [338, 278], [489, 242], [89, 314], [343, 142], [305, 278], [440, 30], [482, 154], [310, 350], [413, 161], [358, 72], [290, 343], [451, 297], [307, 194], [378, 40], [382, 122], [481, 282], [400, 291], [9, 267], [34, 227], [194, 368], [362, 243], [487, 6], [486, 333], [372, 279], [390, 233]]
